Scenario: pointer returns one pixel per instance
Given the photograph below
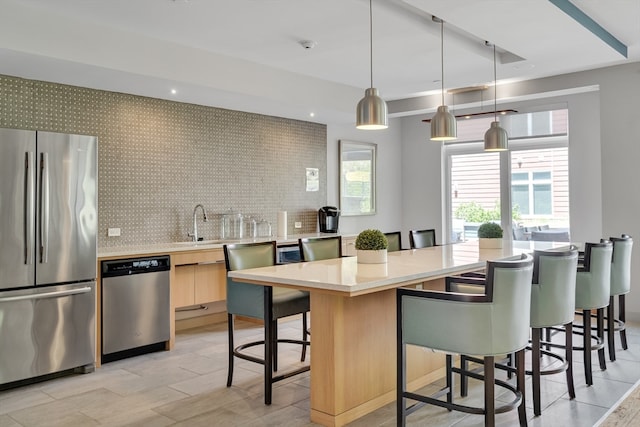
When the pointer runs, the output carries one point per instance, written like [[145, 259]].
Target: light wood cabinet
[[200, 277]]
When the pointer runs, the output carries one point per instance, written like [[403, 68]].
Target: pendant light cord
[[371, 39], [442, 57], [495, 86]]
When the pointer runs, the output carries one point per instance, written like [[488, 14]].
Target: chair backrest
[[593, 280], [550, 236], [241, 256], [422, 238], [518, 233], [247, 299], [317, 248], [553, 287], [394, 240], [621, 264], [496, 322]]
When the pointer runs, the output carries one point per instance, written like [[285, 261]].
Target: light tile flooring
[[186, 386]]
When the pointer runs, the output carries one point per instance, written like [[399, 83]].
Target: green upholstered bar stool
[[394, 241], [552, 304], [265, 303], [422, 238], [317, 248], [489, 324], [620, 286], [593, 288]]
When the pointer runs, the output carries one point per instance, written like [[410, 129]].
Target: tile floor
[[186, 387]]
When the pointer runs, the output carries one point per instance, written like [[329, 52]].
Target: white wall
[[389, 176], [421, 179]]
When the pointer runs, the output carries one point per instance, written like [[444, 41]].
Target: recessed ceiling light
[[312, 114], [173, 91]]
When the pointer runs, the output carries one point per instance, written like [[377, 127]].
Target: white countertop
[[165, 248], [409, 266]]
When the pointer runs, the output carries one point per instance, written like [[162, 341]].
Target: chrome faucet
[[195, 222]]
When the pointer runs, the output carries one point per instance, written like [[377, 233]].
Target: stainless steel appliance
[[288, 253], [47, 253], [328, 217], [135, 306]]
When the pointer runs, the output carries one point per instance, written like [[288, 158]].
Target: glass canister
[[232, 225], [264, 228]]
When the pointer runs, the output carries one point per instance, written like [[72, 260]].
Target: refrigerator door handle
[[55, 294], [44, 208], [29, 224]]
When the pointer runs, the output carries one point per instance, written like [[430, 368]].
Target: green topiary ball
[[371, 240], [490, 230]]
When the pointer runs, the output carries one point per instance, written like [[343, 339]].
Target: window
[[525, 187], [357, 178], [531, 192]]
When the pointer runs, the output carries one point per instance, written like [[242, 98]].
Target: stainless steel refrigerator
[[48, 223]]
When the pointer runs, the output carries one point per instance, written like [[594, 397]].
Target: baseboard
[[195, 322]]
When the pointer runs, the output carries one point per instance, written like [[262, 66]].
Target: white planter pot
[[372, 257], [485, 243]]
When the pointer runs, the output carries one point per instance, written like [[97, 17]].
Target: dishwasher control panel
[[123, 267]]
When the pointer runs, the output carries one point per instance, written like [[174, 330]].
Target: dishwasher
[[135, 306]]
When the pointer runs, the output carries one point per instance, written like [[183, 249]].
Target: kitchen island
[[353, 320]]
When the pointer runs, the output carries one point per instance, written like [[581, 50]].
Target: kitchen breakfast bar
[[353, 320]]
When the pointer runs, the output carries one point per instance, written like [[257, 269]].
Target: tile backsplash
[[157, 159]]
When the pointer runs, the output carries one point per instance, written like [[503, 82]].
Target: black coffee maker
[[328, 219]]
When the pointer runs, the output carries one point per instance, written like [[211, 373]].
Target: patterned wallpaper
[[157, 159]]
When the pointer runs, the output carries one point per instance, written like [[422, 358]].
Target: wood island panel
[[354, 357]]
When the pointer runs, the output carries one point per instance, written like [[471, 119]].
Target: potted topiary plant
[[490, 236], [371, 247]]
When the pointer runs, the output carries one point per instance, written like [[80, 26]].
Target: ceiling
[[246, 54]]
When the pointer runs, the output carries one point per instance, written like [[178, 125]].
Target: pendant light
[[371, 113], [496, 138], [443, 123]]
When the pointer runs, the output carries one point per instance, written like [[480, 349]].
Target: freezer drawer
[[46, 329], [135, 304]]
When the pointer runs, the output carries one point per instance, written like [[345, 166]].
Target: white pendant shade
[[371, 113], [496, 138], [443, 125]]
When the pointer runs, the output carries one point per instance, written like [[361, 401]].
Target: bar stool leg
[[622, 316], [230, 331], [600, 329], [464, 381], [304, 337], [611, 330], [586, 345], [489, 398], [535, 369], [568, 343], [520, 382]]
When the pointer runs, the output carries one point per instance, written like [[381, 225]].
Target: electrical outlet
[[297, 224], [113, 232]]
